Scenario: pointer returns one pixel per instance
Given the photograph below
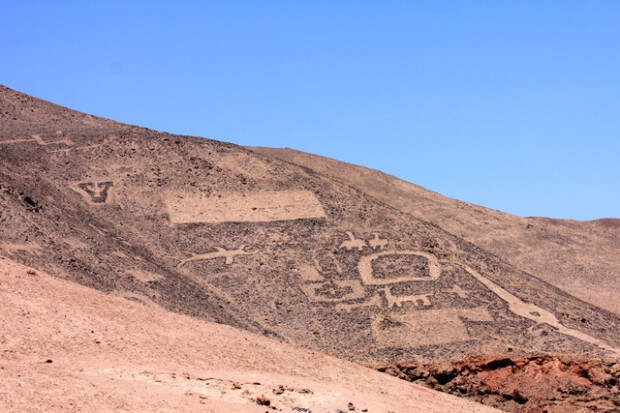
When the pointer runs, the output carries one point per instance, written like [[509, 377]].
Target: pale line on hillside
[[39, 140], [535, 313]]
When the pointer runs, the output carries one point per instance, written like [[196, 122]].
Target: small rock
[[351, 406], [263, 401]]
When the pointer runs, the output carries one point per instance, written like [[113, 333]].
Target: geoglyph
[[422, 324], [367, 272], [535, 313], [39, 140], [262, 206], [425, 327], [229, 255]]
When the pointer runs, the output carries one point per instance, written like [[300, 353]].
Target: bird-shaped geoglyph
[[220, 252]]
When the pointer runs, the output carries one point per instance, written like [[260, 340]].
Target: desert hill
[[66, 347], [579, 257], [213, 230], [224, 234]]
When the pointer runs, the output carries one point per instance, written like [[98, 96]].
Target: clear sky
[[514, 105]]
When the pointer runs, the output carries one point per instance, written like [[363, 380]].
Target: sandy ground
[[64, 347]]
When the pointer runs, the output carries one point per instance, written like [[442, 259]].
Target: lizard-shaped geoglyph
[[221, 252], [535, 313]]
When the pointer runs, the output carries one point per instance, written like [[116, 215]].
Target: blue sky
[[514, 105]]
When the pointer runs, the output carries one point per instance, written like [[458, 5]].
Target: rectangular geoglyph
[[253, 207]]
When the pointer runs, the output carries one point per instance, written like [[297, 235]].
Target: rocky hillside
[[70, 348], [222, 233], [579, 257]]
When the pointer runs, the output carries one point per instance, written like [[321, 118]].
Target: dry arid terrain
[[307, 252], [66, 348], [580, 257]]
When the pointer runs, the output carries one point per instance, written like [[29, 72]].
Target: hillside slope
[[579, 257], [215, 231], [68, 348]]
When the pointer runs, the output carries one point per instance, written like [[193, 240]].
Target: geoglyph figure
[[221, 252], [367, 273], [333, 290], [38, 139], [353, 242], [535, 313], [420, 300], [425, 319], [428, 327], [377, 243], [319, 288], [97, 191]]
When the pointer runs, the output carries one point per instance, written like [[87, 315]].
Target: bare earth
[[304, 252], [580, 257], [66, 348]]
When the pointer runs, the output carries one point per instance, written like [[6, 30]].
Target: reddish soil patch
[[524, 384]]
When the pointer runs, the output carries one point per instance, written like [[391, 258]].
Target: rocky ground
[[523, 384], [359, 269], [580, 257], [64, 347]]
